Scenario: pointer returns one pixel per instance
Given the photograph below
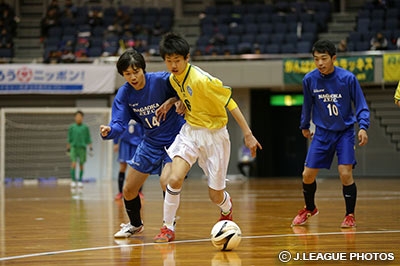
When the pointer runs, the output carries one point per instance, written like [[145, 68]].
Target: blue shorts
[[149, 159], [324, 145], [125, 151]]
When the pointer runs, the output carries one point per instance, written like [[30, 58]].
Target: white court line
[[187, 241]]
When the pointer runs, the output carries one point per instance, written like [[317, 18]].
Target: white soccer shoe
[[128, 230]]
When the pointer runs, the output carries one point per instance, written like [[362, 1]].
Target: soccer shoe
[[349, 221], [73, 184], [166, 235], [141, 195], [127, 230], [80, 184], [226, 216], [303, 215], [119, 196]]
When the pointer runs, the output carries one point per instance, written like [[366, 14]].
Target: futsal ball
[[226, 235]]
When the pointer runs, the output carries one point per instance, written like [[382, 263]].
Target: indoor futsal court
[[48, 224]]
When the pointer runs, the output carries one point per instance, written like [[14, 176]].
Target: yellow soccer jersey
[[204, 96], [397, 94]]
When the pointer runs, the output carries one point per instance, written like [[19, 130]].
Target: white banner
[[61, 79]]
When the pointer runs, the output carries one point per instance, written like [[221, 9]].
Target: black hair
[[79, 112], [173, 43], [130, 58], [324, 46]]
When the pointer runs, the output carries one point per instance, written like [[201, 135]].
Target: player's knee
[[175, 181], [346, 178], [130, 193], [308, 178]]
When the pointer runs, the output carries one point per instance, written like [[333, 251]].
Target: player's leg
[[309, 189], [121, 179], [82, 160], [346, 163], [133, 181], [214, 160], [176, 172], [320, 155], [73, 157]]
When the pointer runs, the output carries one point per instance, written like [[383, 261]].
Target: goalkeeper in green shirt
[[78, 140]]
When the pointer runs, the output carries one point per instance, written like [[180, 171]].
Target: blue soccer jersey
[[141, 106], [133, 134], [329, 99]]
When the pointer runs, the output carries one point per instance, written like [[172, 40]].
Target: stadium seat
[[94, 51], [251, 28], [248, 38], [262, 39], [362, 46], [303, 47], [272, 48], [288, 48], [291, 38], [6, 53], [280, 27], [55, 31], [354, 37], [266, 28]]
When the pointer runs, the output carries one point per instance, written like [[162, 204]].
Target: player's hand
[[161, 112], [252, 143], [180, 108], [68, 152], [362, 137], [104, 130], [307, 133]]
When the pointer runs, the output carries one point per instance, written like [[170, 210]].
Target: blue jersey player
[[140, 98], [126, 146], [333, 99]]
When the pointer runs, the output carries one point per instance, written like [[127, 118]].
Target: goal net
[[33, 143]]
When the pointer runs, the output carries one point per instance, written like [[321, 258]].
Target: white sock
[[171, 204], [226, 204]]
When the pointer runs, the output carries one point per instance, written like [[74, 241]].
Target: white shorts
[[211, 147]]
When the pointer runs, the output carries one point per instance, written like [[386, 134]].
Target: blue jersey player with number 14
[[141, 98], [329, 96]]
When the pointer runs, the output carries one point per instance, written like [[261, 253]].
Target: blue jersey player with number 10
[[329, 96], [141, 98]]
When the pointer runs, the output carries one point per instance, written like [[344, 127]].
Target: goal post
[[33, 143]]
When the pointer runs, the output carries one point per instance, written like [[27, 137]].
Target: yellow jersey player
[[204, 137], [397, 95]]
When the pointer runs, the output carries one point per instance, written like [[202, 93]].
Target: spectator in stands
[[54, 5], [69, 9], [379, 42], [378, 4], [67, 56], [51, 19], [54, 57], [342, 46], [10, 20], [95, 17], [122, 19], [6, 39]]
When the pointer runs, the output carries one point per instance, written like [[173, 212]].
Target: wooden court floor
[[47, 224]]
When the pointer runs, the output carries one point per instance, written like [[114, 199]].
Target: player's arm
[[250, 141], [161, 112], [306, 111], [120, 116], [69, 140], [362, 112], [397, 95]]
